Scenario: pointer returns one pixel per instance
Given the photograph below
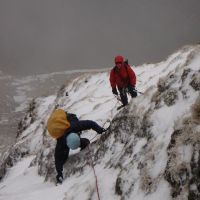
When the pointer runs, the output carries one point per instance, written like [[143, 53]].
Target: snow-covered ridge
[[151, 150]]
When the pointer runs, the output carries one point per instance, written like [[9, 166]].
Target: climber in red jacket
[[123, 78]]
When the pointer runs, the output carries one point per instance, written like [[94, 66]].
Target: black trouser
[[62, 152], [123, 93]]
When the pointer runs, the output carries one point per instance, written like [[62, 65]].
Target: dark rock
[[194, 192], [162, 85], [174, 136], [185, 74], [196, 110], [118, 189], [195, 83], [157, 99], [170, 97], [61, 91]]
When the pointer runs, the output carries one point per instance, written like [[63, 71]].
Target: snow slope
[[147, 153]]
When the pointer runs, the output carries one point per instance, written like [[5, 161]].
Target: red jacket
[[122, 77]]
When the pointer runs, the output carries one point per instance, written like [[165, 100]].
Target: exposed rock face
[[165, 92], [10, 158], [195, 83], [170, 97], [18, 151], [196, 110], [183, 173], [28, 119]]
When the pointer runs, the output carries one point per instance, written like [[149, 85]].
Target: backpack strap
[[126, 67], [114, 69]]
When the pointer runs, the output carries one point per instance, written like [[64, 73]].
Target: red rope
[[97, 188]]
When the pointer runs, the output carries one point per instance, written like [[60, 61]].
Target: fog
[[41, 36]]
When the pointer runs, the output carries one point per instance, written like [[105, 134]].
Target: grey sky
[[39, 36]]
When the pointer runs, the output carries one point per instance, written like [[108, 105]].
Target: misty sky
[[41, 36]]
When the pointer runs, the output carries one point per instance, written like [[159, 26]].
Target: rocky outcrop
[[195, 82], [140, 148]]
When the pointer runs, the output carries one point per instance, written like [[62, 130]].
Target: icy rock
[[195, 83], [170, 97]]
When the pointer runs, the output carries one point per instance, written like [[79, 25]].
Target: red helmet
[[119, 59]]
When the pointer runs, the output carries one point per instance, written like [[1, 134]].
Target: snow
[[44, 102], [23, 182], [139, 145], [162, 193], [195, 63], [92, 99], [185, 153]]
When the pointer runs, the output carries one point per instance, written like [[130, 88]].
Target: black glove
[[134, 91], [72, 117], [59, 178], [102, 130], [114, 91]]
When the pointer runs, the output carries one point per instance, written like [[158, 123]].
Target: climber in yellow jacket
[[66, 128]]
